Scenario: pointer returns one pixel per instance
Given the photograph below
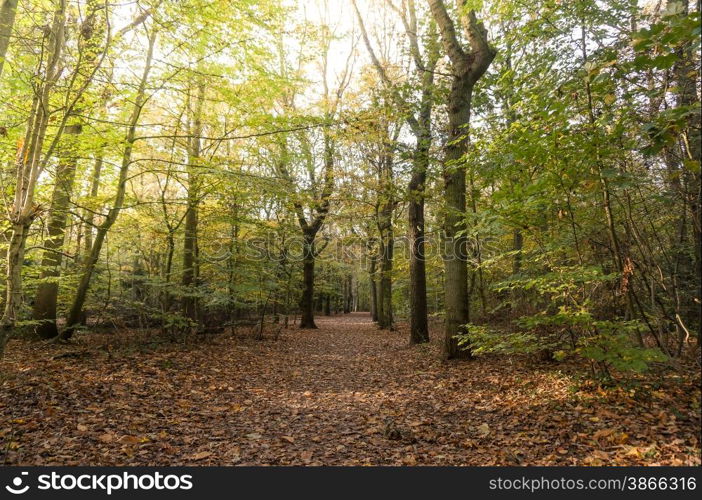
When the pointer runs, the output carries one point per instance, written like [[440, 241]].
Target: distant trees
[[315, 150], [311, 219], [424, 60], [258, 165]]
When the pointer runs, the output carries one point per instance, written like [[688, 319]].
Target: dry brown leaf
[[201, 455], [107, 437]]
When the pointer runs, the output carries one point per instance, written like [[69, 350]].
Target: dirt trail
[[345, 394]]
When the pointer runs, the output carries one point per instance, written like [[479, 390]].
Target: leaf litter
[[345, 394]]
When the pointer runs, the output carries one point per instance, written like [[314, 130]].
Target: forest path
[[344, 394]]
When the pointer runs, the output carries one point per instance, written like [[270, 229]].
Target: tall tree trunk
[[466, 69], [191, 303], [386, 205], [15, 257], [319, 205], [421, 128], [355, 297], [30, 164], [231, 263], [8, 11], [346, 294], [44, 309], [455, 244], [75, 312], [168, 270], [688, 170], [307, 298], [90, 214], [311, 228], [385, 317], [327, 304], [419, 324], [373, 287]]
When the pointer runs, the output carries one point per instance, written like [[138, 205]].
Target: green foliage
[[485, 340], [561, 281], [581, 175], [612, 346]]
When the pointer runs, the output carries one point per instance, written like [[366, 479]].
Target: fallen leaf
[[201, 455], [483, 430], [107, 437]]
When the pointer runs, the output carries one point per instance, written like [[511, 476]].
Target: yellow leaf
[[483, 430]]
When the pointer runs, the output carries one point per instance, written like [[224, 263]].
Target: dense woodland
[[506, 181]]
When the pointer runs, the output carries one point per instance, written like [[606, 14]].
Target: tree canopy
[[506, 178]]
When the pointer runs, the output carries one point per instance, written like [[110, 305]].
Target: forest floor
[[345, 394]]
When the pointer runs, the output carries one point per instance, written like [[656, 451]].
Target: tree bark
[[191, 303], [687, 170], [311, 228], [307, 298], [75, 312], [466, 69], [15, 257], [373, 287], [90, 214], [327, 304], [30, 164], [419, 324], [420, 126], [385, 316], [8, 11], [44, 309], [347, 293]]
